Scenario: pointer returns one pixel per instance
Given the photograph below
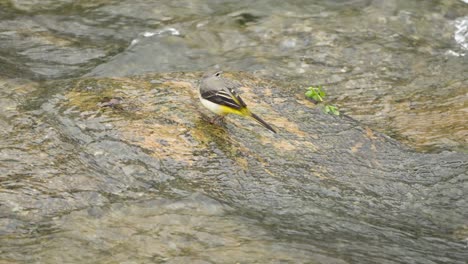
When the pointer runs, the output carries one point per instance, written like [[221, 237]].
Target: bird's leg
[[217, 119]]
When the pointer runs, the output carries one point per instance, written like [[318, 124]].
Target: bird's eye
[[218, 73]]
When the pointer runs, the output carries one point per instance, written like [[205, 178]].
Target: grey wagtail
[[219, 96]]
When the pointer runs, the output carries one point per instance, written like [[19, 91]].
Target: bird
[[218, 95]]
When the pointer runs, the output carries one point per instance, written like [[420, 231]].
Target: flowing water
[[65, 199]]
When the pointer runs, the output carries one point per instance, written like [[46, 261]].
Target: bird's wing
[[232, 87], [226, 96], [223, 97], [239, 99]]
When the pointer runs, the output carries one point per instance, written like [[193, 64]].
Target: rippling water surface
[[66, 197]]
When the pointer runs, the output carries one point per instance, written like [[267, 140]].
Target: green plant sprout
[[315, 93], [331, 109], [318, 94]]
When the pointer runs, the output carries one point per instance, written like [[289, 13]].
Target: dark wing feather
[[232, 87], [234, 93], [222, 98]]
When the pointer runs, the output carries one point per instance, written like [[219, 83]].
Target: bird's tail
[[263, 123]]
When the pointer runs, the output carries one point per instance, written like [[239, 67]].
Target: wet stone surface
[[154, 169], [128, 169]]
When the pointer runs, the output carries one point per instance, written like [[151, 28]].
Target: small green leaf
[[321, 92], [318, 94], [315, 93], [330, 109]]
